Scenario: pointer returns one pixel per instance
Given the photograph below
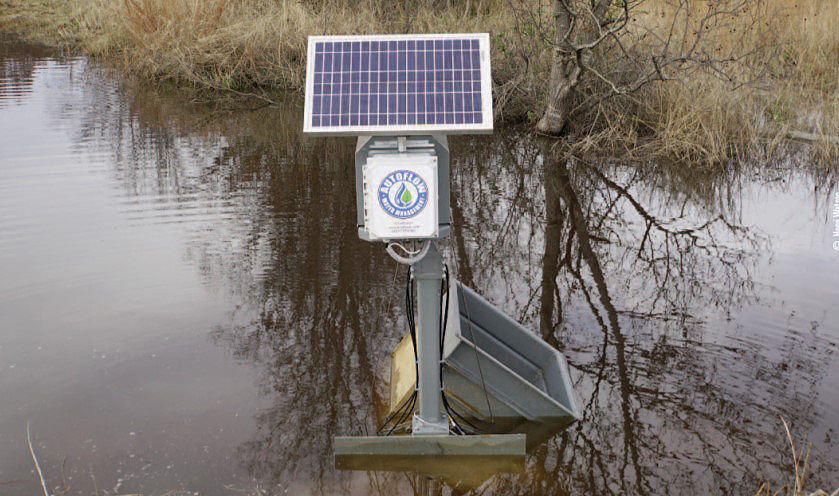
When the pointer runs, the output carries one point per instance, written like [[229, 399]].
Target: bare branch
[[35, 461]]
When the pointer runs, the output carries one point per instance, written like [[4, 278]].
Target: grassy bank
[[259, 46]]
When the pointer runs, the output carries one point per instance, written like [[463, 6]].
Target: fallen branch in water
[[35, 459], [811, 137]]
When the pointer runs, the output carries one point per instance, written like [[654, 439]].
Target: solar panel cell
[[421, 83]]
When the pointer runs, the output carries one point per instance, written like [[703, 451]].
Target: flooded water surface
[[185, 303]]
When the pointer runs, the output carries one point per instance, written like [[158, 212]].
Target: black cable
[[410, 407], [412, 328], [409, 313], [444, 315], [400, 411], [444, 318], [409, 404]]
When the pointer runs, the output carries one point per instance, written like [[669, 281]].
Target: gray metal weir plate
[[528, 387], [460, 459]]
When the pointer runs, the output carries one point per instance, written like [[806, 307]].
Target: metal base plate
[[464, 460]]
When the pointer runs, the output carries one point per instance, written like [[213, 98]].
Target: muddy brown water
[[185, 303]]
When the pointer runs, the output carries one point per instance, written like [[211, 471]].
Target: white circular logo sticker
[[403, 194]]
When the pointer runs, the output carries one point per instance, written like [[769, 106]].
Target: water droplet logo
[[403, 194]]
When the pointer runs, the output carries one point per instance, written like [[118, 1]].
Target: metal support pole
[[428, 274]]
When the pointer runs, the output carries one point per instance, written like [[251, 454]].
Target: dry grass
[[705, 118], [796, 487], [235, 44], [807, 91], [242, 45]]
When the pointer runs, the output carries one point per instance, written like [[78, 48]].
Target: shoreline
[[256, 49]]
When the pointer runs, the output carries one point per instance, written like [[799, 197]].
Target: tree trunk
[[555, 217], [565, 75]]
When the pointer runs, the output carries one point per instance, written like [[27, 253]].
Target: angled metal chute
[[497, 374], [504, 376]]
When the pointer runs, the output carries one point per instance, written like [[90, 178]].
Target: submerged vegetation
[[667, 79]]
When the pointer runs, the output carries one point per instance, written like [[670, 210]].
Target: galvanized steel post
[[428, 274]]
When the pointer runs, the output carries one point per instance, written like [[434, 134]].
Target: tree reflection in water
[[18, 64], [627, 270], [634, 262]]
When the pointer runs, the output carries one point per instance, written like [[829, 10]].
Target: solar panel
[[398, 84]]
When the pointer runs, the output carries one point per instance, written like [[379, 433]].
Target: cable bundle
[[444, 317], [408, 407], [405, 410]]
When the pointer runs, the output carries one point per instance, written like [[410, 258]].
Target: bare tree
[[624, 44]]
